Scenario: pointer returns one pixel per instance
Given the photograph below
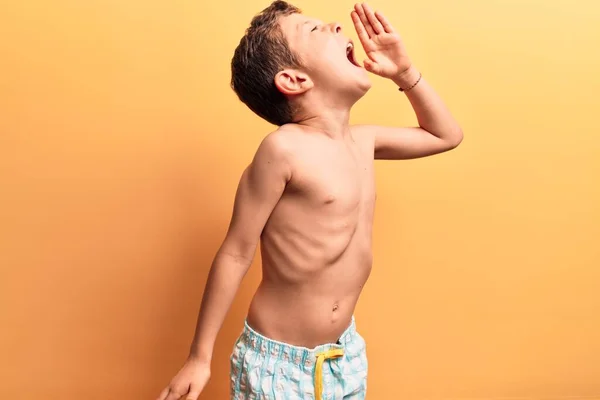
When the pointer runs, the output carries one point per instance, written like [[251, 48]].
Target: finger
[[193, 395], [364, 20], [384, 22], [360, 28], [163, 394], [377, 27], [173, 395], [371, 66]]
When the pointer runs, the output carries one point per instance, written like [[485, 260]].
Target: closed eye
[[314, 29]]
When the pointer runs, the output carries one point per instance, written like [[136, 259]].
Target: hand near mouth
[[384, 47]]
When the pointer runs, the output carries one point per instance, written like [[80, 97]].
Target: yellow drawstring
[[321, 357]]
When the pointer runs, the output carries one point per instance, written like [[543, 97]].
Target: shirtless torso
[[316, 245]]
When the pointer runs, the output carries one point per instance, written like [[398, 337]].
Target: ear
[[293, 82]]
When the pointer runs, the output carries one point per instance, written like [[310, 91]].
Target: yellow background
[[120, 149]]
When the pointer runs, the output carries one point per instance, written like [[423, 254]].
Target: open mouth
[[350, 54]]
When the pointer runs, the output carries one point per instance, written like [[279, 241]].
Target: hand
[[384, 47], [189, 382]]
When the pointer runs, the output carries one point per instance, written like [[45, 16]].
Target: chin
[[365, 84], [361, 84], [358, 76]]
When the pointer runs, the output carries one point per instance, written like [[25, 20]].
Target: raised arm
[[259, 190], [438, 131]]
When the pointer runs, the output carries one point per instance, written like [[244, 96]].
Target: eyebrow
[[300, 26]]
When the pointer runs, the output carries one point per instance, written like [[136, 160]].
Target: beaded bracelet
[[415, 84]]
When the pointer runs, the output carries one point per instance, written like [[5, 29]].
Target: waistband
[[302, 356]]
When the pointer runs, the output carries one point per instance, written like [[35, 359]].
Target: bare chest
[[337, 178]]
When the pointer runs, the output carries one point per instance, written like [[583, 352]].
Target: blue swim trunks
[[264, 369]]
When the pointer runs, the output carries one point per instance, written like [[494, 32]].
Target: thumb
[[371, 66]]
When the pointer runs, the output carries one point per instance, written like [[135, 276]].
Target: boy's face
[[325, 54]]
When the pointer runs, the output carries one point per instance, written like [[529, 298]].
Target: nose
[[336, 27]]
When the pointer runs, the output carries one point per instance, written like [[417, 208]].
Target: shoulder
[[363, 131], [274, 146], [288, 144], [365, 135], [274, 154]]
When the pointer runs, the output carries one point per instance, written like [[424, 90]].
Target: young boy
[[308, 197]]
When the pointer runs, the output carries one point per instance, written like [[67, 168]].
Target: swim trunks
[[265, 369]]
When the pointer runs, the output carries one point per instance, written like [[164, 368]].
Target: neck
[[334, 123]]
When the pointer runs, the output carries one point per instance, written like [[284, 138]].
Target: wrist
[[203, 357], [407, 77]]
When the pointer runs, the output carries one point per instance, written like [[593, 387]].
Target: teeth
[[349, 47]]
